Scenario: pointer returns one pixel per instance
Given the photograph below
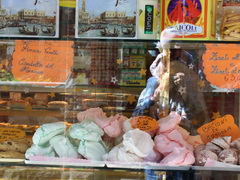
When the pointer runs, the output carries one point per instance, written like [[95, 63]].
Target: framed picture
[[113, 19], [29, 18]]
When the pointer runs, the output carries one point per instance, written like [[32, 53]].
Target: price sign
[[221, 65], [42, 62], [11, 133], [144, 123], [219, 127]]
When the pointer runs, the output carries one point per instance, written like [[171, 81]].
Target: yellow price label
[[28, 107], [68, 3], [11, 133], [5, 88]]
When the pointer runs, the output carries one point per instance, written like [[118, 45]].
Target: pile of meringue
[[100, 138]]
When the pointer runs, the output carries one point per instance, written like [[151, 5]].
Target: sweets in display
[[221, 149], [91, 145], [173, 142], [230, 27], [56, 140], [112, 126], [14, 148], [85, 140], [130, 150]]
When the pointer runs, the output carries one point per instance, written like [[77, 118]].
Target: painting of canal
[[29, 18], [113, 19]]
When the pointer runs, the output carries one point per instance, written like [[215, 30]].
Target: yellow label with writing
[[11, 133], [68, 3], [219, 127], [5, 88]]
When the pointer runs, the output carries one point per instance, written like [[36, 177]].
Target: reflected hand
[[178, 77]]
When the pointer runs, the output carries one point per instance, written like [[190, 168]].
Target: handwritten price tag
[[222, 65], [11, 133], [42, 62], [219, 127], [144, 123]]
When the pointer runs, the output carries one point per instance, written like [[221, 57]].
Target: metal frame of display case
[[11, 170]]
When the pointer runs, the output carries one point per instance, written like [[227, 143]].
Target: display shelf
[[151, 166], [94, 164], [143, 172], [97, 165], [201, 168], [67, 115], [31, 113], [122, 41], [108, 165], [77, 88], [62, 172], [116, 40]]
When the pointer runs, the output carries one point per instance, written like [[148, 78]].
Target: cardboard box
[[189, 19]]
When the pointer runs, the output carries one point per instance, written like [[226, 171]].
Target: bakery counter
[[94, 165], [40, 172], [101, 165], [25, 171], [34, 171]]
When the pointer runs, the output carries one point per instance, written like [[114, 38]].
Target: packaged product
[[230, 27], [148, 19], [189, 19]]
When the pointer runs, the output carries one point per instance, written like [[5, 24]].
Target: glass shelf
[[96, 165], [77, 88], [108, 171], [115, 166], [201, 168]]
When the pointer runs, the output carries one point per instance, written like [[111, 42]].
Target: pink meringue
[[179, 157], [91, 114], [169, 122]]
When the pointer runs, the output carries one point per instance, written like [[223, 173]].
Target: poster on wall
[[29, 18], [106, 19]]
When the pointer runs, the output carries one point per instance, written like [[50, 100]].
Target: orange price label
[[219, 127], [221, 65], [11, 133], [144, 123], [42, 62]]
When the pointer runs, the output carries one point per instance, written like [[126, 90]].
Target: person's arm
[[154, 68]]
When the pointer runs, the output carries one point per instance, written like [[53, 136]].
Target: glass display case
[[119, 89]]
